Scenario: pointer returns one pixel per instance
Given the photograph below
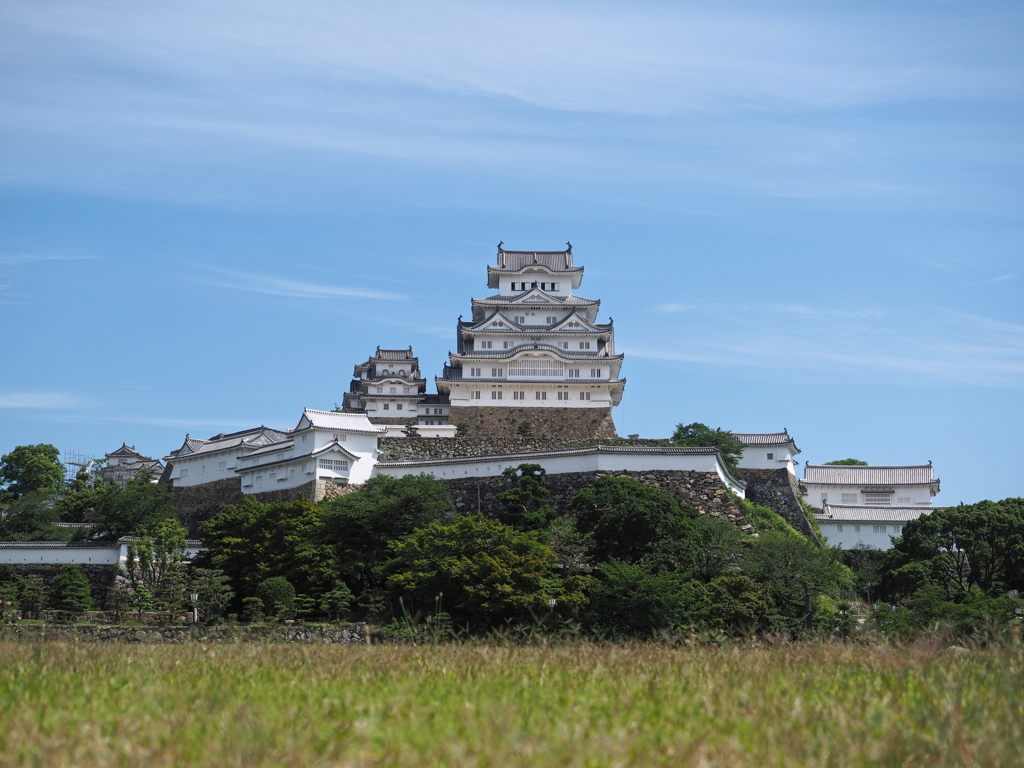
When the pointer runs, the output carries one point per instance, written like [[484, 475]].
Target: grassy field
[[480, 705]]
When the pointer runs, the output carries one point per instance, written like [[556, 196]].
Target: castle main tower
[[534, 352]]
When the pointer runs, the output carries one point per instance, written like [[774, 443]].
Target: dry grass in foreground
[[486, 705]]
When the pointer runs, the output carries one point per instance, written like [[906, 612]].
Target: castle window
[[878, 498], [563, 344], [380, 390], [563, 395], [771, 456], [394, 390], [520, 319], [878, 528], [849, 498], [474, 371], [507, 344], [486, 344], [437, 411], [518, 395], [574, 373], [824, 497], [335, 465], [554, 286], [398, 407], [856, 529], [551, 320], [387, 406], [584, 345], [540, 395], [903, 500], [584, 395], [595, 373], [839, 529], [495, 394], [497, 373], [475, 395], [405, 390]]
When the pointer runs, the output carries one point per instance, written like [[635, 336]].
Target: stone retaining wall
[[701, 490], [184, 633], [101, 577], [198, 503], [419, 448], [579, 423], [777, 489]]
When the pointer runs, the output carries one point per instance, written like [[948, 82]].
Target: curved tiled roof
[[349, 422], [844, 474], [841, 513], [514, 261]]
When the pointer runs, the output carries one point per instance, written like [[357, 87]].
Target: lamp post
[[195, 608]]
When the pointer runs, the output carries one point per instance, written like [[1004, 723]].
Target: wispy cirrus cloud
[[284, 286], [39, 400], [868, 343]]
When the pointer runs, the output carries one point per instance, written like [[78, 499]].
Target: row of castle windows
[[897, 529], [543, 286], [573, 373], [497, 394]]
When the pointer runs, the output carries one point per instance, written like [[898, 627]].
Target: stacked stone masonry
[[777, 490], [580, 423], [185, 633], [420, 448]]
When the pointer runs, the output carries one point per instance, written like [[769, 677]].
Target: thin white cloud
[[283, 286], [927, 344], [37, 400]]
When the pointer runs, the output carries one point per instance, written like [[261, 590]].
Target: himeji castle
[[534, 352]]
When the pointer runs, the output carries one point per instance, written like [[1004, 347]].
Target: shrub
[[278, 596], [70, 592]]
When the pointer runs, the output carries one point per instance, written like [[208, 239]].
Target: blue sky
[[802, 215]]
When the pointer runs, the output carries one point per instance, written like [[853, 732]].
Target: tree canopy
[[29, 469], [846, 463], [699, 435]]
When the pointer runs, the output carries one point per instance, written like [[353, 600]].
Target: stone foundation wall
[[580, 423], [417, 448], [185, 633], [777, 489], [701, 490], [198, 503], [101, 577]]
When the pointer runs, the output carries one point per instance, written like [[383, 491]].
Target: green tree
[[31, 517], [634, 523], [631, 600], [720, 550], [411, 429], [795, 572], [524, 504], [29, 469], [213, 592], [462, 430], [846, 463], [525, 429], [490, 574], [252, 542], [129, 511], [360, 526], [336, 603], [69, 592], [278, 596], [158, 561], [697, 435]]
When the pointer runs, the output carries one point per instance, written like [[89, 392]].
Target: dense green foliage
[[69, 592], [278, 596], [699, 435], [961, 566], [846, 463], [525, 504], [30, 469], [482, 573]]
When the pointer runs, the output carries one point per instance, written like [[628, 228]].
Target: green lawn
[[492, 705]]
